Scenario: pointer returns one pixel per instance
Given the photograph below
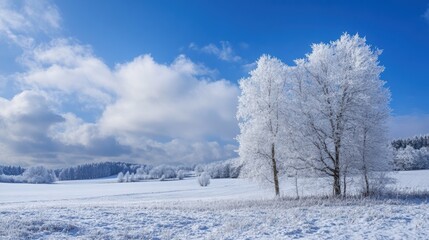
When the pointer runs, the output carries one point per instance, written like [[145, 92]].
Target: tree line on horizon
[[408, 154], [220, 169]]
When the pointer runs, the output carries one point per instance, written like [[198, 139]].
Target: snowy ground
[[226, 209]]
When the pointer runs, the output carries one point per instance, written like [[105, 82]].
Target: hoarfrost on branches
[[204, 179], [327, 113], [261, 112]]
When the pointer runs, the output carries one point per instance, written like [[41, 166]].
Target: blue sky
[[85, 65], [118, 32]]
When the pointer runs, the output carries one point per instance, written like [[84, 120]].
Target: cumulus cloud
[[31, 130], [21, 21], [140, 110], [24, 121], [67, 67], [149, 112], [224, 51], [183, 151], [170, 101], [408, 125]]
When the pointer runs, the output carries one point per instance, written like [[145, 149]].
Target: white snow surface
[[225, 209]]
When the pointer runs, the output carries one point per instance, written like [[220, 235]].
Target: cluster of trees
[[97, 170], [127, 177], [11, 170], [129, 172], [36, 174], [411, 153], [416, 142], [161, 172], [326, 114], [222, 169]]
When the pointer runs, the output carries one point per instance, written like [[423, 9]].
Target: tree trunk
[[274, 162], [337, 183], [344, 183], [337, 178], [296, 185], [366, 181], [365, 170]]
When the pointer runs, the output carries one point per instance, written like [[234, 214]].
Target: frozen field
[[226, 209]]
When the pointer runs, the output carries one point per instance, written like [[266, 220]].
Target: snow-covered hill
[[226, 209]]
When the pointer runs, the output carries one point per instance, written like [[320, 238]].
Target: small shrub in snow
[[120, 177], [133, 178], [162, 178], [180, 174], [199, 169], [378, 183], [204, 179]]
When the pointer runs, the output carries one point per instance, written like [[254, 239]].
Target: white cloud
[[181, 151], [43, 13], [426, 15], [144, 110], [32, 132], [170, 101], [69, 68], [224, 52], [74, 131], [408, 125], [150, 112], [25, 119], [20, 21]]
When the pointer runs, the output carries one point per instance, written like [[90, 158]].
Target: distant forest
[[411, 153], [11, 170], [96, 170], [85, 171], [415, 142], [221, 169]]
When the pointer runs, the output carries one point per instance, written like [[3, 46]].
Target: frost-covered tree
[[261, 115], [204, 179], [127, 177], [162, 170], [38, 174], [142, 171], [373, 153], [336, 85], [181, 174], [120, 177], [411, 153], [416, 142], [405, 158]]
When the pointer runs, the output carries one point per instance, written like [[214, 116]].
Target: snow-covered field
[[226, 209]]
